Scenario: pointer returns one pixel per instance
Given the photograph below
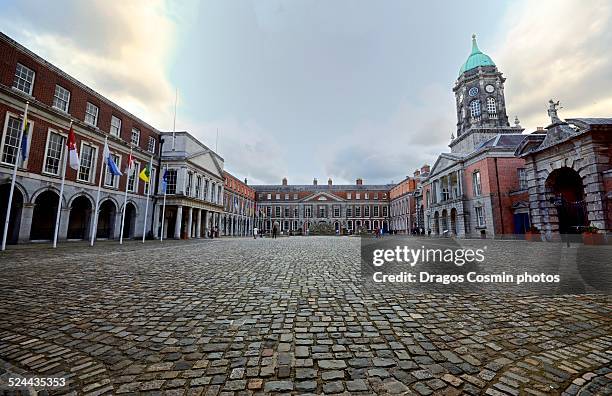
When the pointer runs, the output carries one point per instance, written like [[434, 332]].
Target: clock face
[[473, 91], [489, 88]]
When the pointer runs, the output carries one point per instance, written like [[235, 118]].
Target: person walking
[[255, 232], [274, 231]]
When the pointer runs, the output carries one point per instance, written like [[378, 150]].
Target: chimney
[[417, 173], [245, 181], [284, 181], [540, 128], [314, 181], [329, 181], [425, 168], [359, 181]]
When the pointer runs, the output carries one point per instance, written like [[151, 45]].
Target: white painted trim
[[24, 164], [62, 154], [94, 165]]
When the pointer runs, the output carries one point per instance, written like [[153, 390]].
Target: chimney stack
[[314, 181], [245, 181], [284, 181], [359, 181], [417, 173], [329, 181], [425, 169]]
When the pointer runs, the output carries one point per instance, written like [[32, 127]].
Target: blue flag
[[24, 140], [165, 181], [108, 158]]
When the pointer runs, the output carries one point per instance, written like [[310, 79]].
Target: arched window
[[475, 108], [491, 108]]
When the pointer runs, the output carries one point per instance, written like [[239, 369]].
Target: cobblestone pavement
[[244, 316]]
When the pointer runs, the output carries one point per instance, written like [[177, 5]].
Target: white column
[[156, 214], [177, 224], [199, 223], [190, 223], [207, 224], [26, 222]]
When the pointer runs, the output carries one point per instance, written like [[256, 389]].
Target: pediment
[[205, 159], [444, 162], [322, 197]]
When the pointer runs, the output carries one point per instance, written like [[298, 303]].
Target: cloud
[[413, 135], [120, 49], [247, 149], [557, 49]]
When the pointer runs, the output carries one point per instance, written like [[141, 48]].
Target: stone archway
[[15, 215], [566, 193], [129, 223], [43, 219], [79, 219], [106, 219]]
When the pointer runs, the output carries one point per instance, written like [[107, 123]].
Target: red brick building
[[238, 207], [55, 98]]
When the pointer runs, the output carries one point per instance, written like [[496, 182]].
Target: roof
[[476, 58], [503, 140], [323, 187]]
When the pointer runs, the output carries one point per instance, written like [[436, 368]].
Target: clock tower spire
[[480, 101]]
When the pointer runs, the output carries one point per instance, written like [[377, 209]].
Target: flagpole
[[94, 228], [161, 234], [127, 180], [144, 227], [14, 175], [61, 194]]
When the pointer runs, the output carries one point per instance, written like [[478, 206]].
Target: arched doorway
[[337, 227], [15, 215], [436, 229], [106, 219], [567, 195], [445, 221], [80, 215], [453, 221], [43, 219], [366, 224], [129, 222]]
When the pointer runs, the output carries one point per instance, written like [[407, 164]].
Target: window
[[357, 211], [522, 176], [480, 217], [366, 211], [295, 196], [366, 196], [213, 191], [133, 178], [198, 186], [151, 183], [475, 108], [376, 211], [375, 195], [115, 128], [135, 137], [219, 197], [476, 183], [87, 168], [61, 98], [307, 211], [348, 195], [277, 211], [277, 197], [10, 141], [287, 211], [268, 211], [53, 153], [189, 183], [151, 145], [171, 181], [296, 212], [91, 114], [349, 211], [336, 211], [109, 179], [491, 108], [269, 197], [321, 211], [357, 196], [286, 197], [24, 79], [205, 192], [385, 211]]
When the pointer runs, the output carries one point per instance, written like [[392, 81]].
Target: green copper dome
[[476, 58]]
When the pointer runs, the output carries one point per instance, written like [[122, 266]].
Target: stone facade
[[568, 175]]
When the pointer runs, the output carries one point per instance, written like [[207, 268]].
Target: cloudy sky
[[304, 89]]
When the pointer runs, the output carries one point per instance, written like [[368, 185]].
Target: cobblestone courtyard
[[244, 316]]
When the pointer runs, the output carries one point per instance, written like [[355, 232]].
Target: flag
[[108, 158], [130, 164], [165, 181], [145, 174], [74, 155], [24, 139]]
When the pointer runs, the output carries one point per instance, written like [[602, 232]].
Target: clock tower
[[480, 101]]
